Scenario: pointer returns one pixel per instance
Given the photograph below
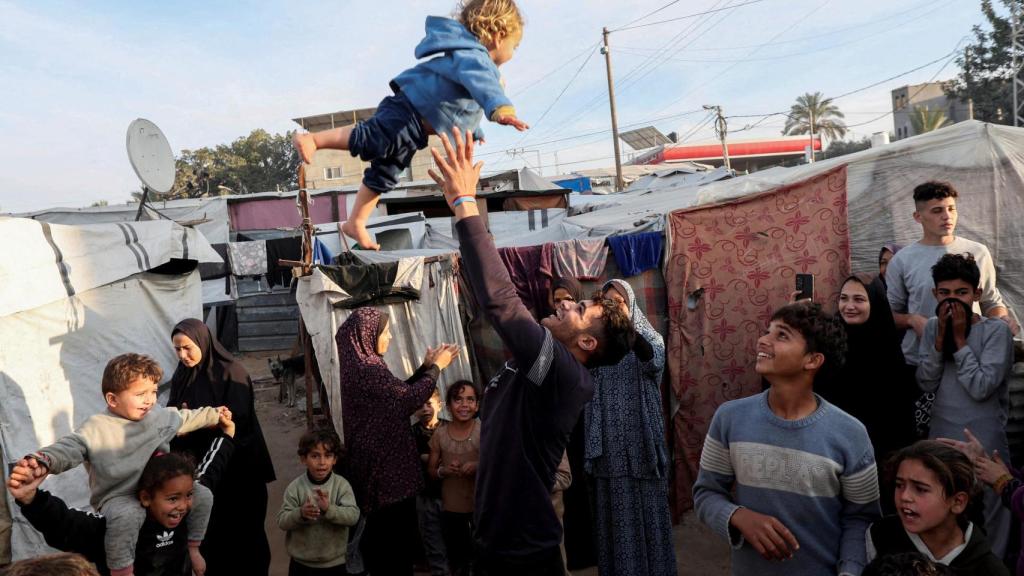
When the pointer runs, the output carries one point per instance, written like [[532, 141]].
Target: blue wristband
[[463, 200]]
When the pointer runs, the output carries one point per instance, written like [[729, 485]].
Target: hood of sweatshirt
[[444, 34]]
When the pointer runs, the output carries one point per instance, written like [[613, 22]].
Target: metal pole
[[1015, 49], [810, 111], [619, 184], [722, 128]]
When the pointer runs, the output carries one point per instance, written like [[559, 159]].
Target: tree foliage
[[844, 147], [828, 120], [259, 162], [923, 119], [986, 66]]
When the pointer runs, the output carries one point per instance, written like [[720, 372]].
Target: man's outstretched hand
[[456, 173]]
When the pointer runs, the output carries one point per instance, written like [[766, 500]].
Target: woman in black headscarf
[[562, 289], [872, 385], [208, 375]]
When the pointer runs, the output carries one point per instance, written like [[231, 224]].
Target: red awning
[[736, 149]]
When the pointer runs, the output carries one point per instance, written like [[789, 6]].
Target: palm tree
[[924, 120], [826, 117]]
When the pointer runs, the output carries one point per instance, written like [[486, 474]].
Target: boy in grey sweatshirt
[[115, 446], [318, 509]]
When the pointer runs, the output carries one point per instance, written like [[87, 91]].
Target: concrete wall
[[930, 95], [352, 167]]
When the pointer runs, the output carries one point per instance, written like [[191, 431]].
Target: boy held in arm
[[784, 475], [115, 447]]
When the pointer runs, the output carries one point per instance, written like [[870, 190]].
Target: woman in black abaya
[[208, 375]]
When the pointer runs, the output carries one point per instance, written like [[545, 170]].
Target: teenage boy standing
[[784, 475], [909, 274]]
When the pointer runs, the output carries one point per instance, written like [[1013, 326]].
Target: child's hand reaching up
[[990, 470], [512, 120], [305, 145]]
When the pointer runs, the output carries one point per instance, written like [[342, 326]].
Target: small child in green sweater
[[318, 508]]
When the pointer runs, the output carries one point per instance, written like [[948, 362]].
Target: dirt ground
[[699, 552]]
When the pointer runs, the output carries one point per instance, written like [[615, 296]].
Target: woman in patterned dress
[[626, 455], [381, 460]]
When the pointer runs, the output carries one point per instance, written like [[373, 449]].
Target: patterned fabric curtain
[[731, 265]]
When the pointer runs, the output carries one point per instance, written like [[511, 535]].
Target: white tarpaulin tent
[[415, 325], [71, 298], [207, 215]]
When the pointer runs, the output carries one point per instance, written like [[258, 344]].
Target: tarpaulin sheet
[[265, 213], [52, 359], [415, 326], [50, 262], [730, 266]]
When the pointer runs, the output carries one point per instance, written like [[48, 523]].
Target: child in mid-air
[[786, 477], [115, 447], [318, 509], [933, 484], [451, 91]]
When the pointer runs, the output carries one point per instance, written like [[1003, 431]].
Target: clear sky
[[75, 74]]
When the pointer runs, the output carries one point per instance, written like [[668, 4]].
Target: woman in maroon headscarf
[[381, 460], [208, 375]]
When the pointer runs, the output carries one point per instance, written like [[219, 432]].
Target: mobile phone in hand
[[805, 286]]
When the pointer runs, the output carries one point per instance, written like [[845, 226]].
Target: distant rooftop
[[334, 119]]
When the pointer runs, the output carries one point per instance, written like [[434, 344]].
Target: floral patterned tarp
[[730, 266]]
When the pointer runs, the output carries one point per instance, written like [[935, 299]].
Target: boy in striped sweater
[[784, 475]]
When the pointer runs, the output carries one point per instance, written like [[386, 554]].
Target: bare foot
[[358, 233]]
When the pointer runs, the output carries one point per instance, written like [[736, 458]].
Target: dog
[[285, 372]]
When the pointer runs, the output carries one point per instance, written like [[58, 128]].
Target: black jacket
[[159, 551], [977, 559]]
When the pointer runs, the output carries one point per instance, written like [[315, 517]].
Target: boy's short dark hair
[[64, 564], [957, 267], [823, 333], [325, 436], [122, 370], [934, 190], [614, 333]]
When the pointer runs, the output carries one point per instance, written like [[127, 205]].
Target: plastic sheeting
[[52, 359], [211, 215], [53, 261], [415, 325]]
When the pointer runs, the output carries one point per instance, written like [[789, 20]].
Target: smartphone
[[805, 286]]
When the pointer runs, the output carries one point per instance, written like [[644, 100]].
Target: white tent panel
[[415, 325], [52, 262], [211, 215], [52, 359]]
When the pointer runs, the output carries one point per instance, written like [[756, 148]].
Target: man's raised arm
[[458, 177]]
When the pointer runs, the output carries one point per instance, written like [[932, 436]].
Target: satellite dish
[[151, 156]]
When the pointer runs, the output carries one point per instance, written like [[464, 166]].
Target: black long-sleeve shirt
[[529, 409], [159, 551]]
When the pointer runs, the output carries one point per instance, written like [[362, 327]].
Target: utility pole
[[810, 111], [1018, 83], [722, 128], [619, 184]]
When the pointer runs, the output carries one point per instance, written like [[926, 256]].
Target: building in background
[[930, 95], [337, 168]]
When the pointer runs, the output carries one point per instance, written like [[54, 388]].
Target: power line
[[649, 14], [694, 15], [832, 33], [560, 94], [556, 69]]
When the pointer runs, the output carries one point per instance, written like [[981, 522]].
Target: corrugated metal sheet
[[268, 319]]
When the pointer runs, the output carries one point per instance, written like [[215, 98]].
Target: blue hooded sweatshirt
[[458, 85]]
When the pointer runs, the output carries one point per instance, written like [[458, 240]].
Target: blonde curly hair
[[488, 19]]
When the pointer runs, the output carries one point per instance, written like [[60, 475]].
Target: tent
[[71, 298]]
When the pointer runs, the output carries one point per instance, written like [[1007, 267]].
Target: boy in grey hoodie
[[115, 446]]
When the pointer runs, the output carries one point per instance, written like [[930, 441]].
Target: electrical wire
[[694, 15], [557, 98]]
